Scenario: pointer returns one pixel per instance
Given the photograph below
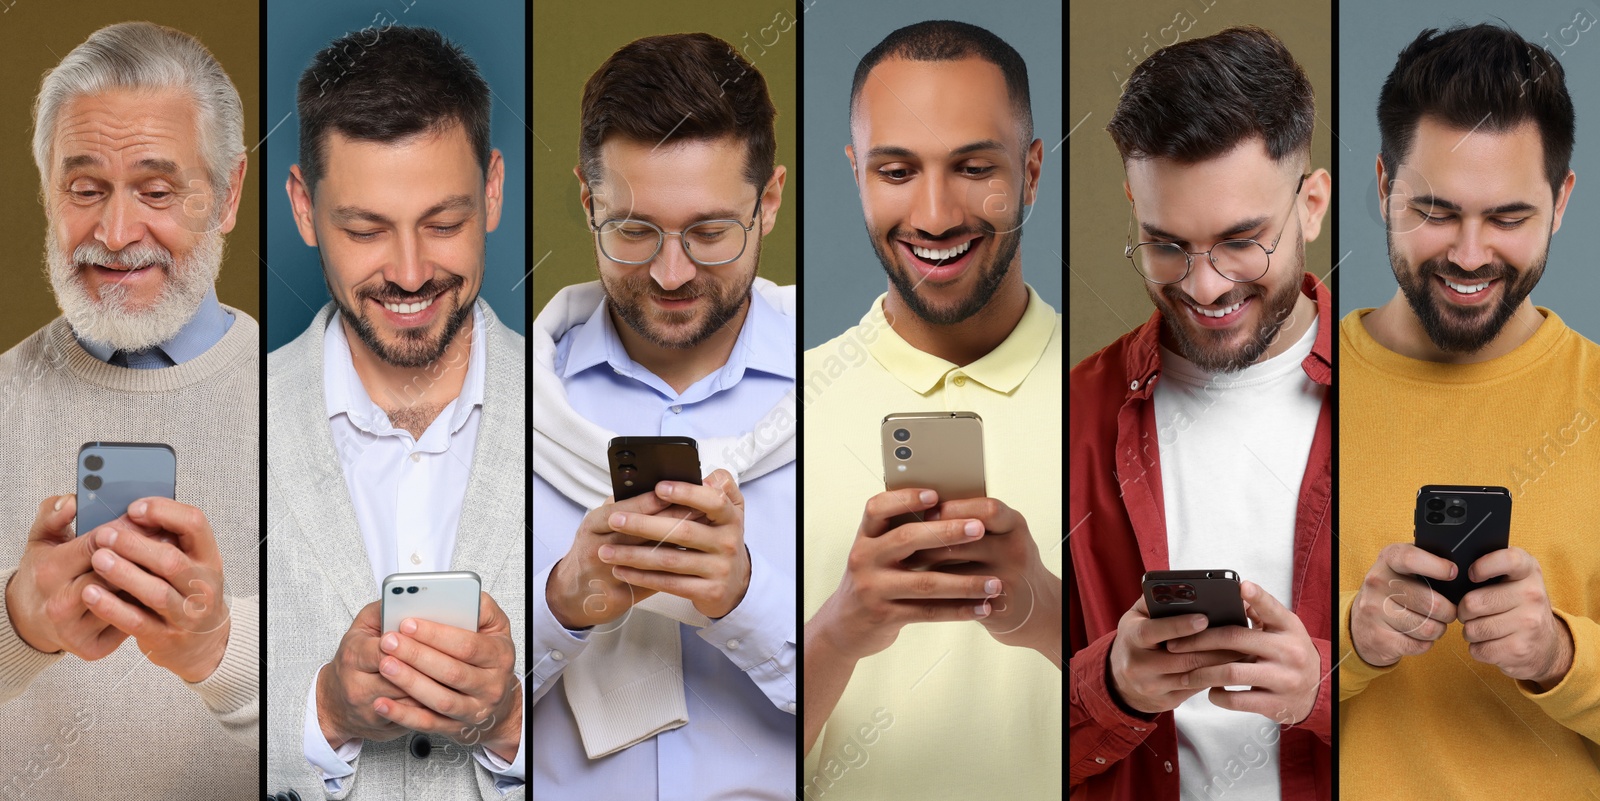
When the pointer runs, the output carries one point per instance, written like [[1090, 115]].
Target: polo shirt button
[[1134, 385], [420, 747], [1168, 765], [1100, 760], [961, 380]]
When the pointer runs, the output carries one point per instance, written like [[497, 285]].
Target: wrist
[[556, 600], [19, 622], [325, 718], [215, 649], [505, 739], [821, 643], [1561, 664]]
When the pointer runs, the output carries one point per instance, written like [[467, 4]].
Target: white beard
[[109, 321]]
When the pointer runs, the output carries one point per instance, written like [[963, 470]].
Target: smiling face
[[937, 155], [401, 227], [136, 227], [1469, 218], [1219, 324], [672, 302]]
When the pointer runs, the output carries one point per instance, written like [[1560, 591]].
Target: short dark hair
[[1199, 99], [386, 85], [1480, 78], [947, 40], [689, 85]]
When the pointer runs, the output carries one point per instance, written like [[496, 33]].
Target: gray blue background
[[493, 34], [1371, 36], [840, 275]]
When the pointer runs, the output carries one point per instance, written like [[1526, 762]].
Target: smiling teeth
[[936, 255], [1219, 313], [408, 308], [1466, 289]]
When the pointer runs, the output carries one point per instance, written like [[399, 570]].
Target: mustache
[[1175, 295], [983, 228], [1444, 268], [390, 292], [646, 285], [138, 254]]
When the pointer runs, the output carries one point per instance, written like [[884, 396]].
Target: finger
[[723, 480], [1514, 563], [1407, 559], [1413, 624], [1417, 596], [446, 701], [996, 517], [51, 519], [479, 650], [123, 574], [450, 673], [1250, 642], [121, 614], [195, 537], [1231, 674], [157, 557], [690, 587], [918, 535], [414, 717], [908, 585], [662, 529], [1269, 609], [1151, 632], [937, 611], [885, 505], [370, 618], [656, 558], [711, 500]]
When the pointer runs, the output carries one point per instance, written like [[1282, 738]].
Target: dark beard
[[990, 275], [414, 349], [627, 297], [1454, 330], [1195, 346]]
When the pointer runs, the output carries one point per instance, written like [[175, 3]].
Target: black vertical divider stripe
[[261, 432], [1333, 395], [527, 409], [797, 180]]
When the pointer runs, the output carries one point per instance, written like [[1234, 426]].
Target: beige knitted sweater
[[122, 727]]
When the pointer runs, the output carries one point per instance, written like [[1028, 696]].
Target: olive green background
[[1107, 41], [570, 42], [34, 36]]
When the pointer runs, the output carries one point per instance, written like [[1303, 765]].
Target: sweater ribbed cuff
[[19, 661], [237, 679]]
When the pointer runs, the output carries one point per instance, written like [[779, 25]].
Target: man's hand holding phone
[[583, 591], [45, 597], [1510, 625], [464, 683], [709, 566], [350, 684], [1281, 664], [1144, 674], [1395, 613]]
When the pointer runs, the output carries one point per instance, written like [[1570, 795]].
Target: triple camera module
[[1447, 511]]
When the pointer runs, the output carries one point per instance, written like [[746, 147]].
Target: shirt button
[[1100, 760], [1168, 765], [415, 559], [1138, 728], [416, 457], [1134, 385], [557, 655], [961, 380], [733, 644], [677, 409], [789, 707]]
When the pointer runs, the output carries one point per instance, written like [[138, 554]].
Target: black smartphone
[[112, 475], [1462, 524], [1213, 593], [639, 463]]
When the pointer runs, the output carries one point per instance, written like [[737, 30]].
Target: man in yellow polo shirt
[[943, 682], [1459, 379]]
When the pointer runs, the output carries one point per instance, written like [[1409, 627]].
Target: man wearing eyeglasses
[[1201, 441], [664, 624]]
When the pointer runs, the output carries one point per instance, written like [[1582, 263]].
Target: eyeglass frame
[[662, 235], [1129, 247]]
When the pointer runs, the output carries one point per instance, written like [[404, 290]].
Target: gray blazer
[[319, 577]]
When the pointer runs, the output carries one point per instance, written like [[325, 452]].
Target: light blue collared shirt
[[203, 330], [738, 672]]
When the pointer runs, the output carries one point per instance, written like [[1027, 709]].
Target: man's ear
[[300, 203], [1383, 191], [1562, 198], [850, 153], [1318, 196]]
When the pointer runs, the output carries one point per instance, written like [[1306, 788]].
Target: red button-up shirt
[[1119, 532]]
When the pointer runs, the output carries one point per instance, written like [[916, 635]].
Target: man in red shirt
[[1201, 441]]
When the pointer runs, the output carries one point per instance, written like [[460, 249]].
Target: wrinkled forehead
[[120, 129]]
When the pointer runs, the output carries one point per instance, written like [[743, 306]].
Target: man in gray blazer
[[395, 441]]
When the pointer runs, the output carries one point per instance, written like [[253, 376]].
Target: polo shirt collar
[[1002, 369]]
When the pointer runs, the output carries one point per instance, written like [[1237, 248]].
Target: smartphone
[[450, 598], [1462, 524], [1213, 593], [112, 475], [639, 463], [941, 451]]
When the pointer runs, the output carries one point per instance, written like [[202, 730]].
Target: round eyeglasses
[[708, 243], [1238, 260]]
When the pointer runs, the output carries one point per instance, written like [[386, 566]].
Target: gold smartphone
[[941, 451]]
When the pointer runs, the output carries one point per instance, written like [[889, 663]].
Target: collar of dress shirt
[[204, 329], [1002, 369], [345, 394], [765, 343]]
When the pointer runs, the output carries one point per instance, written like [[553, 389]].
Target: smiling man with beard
[[942, 149], [657, 664], [1460, 380], [1202, 439], [147, 624], [395, 440]]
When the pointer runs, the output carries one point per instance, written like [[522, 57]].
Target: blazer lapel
[[494, 509]]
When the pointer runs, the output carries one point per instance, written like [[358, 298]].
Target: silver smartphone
[[941, 451], [449, 598], [112, 475]]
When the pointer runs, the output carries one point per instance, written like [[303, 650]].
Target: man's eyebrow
[[1233, 231], [1514, 207], [897, 152], [714, 214], [165, 167], [343, 215], [974, 147]]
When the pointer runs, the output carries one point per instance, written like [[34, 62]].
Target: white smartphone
[[449, 598]]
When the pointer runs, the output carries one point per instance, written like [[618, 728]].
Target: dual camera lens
[[902, 453], [92, 462], [404, 590]]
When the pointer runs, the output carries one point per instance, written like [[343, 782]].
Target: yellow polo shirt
[[945, 712], [1442, 724]]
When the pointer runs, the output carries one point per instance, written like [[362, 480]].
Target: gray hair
[[144, 55]]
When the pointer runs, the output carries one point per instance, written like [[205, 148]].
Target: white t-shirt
[[1233, 451]]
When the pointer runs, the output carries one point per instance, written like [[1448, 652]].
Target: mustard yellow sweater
[[1442, 725]]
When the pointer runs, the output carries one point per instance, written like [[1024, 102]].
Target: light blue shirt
[[738, 673], [204, 329]]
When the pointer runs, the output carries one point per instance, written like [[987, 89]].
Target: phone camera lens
[[91, 482], [411, 590], [1455, 511], [902, 453], [625, 456], [93, 462], [1435, 518], [628, 471], [901, 435], [1186, 592], [1435, 504], [398, 590]]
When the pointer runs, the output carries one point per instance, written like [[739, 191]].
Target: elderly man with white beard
[[129, 652]]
